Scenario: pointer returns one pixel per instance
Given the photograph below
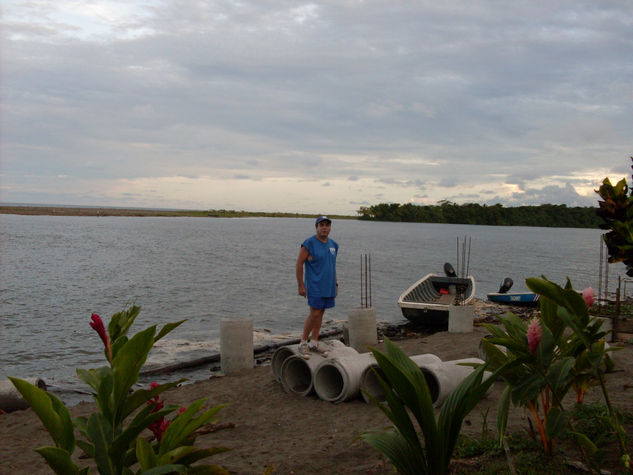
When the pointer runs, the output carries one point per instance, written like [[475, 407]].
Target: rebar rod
[[468, 261], [370, 301]]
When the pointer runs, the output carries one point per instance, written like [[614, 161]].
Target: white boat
[[426, 302]]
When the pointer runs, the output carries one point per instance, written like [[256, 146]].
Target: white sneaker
[[304, 351]]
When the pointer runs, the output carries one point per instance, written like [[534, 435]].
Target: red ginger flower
[[534, 334], [97, 325], [159, 426], [588, 295]]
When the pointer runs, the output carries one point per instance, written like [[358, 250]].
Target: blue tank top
[[320, 270]]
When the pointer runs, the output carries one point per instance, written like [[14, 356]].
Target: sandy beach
[[267, 428]]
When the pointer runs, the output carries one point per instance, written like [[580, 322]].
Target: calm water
[[56, 271]]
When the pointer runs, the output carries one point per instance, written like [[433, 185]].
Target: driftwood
[[214, 359]]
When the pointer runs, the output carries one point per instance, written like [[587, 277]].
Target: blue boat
[[524, 299]]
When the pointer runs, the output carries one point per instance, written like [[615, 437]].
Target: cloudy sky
[[318, 107]]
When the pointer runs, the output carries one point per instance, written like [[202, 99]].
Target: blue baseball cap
[[322, 218]]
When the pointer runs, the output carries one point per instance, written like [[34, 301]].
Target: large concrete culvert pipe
[[296, 374], [369, 382], [337, 380], [443, 378], [280, 355]]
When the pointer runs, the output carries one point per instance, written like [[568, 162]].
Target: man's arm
[[303, 256]]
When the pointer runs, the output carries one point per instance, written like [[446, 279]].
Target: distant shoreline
[[44, 210]]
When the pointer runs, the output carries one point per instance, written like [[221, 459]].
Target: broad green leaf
[[59, 460], [145, 454], [175, 455], [168, 328], [200, 454], [546, 289], [121, 322], [87, 447], [587, 444], [51, 411], [141, 396], [527, 390], [556, 423], [141, 421], [127, 364], [502, 413], [93, 377], [406, 460], [409, 383], [118, 344], [185, 424], [163, 469], [558, 376], [99, 379], [545, 348], [495, 330], [551, 319], [459, 403], [495, 356], [397, 412], [100, 435]]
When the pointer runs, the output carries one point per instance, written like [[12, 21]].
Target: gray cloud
[[534, 101]]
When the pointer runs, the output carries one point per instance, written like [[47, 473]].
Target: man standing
[[318, 254]]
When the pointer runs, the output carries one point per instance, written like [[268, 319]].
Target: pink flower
[[534, 334], [97, 325], [587, 294]]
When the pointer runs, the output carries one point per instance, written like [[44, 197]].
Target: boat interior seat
[[424, 292]]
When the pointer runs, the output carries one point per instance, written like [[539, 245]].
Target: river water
[[56, 271]]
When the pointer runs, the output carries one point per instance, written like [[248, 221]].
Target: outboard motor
[[449, 271], [507, 285]]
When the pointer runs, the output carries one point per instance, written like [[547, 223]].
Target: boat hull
[[523, 299], [426, 303]]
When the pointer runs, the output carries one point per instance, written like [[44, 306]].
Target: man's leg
[[312, 326]]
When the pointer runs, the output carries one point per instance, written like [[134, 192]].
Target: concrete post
[[236, 344], [460, 318], [362, 328]]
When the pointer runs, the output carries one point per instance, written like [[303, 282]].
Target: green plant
[[117, 446], [564, 349], [471, 446], [408, 400], [616, 211]]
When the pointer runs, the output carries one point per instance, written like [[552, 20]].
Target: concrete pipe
[[296, 372], [443, 378], [369, 381], [284, 352], [10, 397], [338, 379], [280, 355]]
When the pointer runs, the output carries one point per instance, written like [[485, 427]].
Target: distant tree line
[[546, 215]]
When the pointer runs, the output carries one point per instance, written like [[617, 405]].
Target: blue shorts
[[321, 303]]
